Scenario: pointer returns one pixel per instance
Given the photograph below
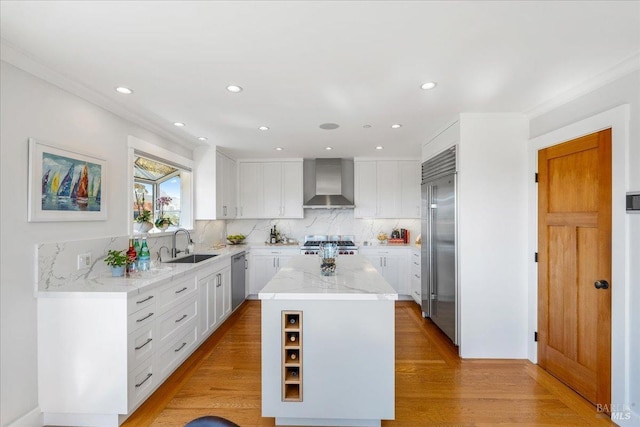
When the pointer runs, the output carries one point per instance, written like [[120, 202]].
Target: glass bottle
[[131, 258], [144, 257], [136, 246]]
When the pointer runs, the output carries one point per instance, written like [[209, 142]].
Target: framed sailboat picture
[[65, 185]]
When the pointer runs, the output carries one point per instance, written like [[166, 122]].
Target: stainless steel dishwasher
[[238, 290]]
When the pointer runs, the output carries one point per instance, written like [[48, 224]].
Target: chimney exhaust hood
[[330, 185]]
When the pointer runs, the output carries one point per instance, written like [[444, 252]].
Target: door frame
[[618, 120]]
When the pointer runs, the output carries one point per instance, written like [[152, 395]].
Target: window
[[162, 192]]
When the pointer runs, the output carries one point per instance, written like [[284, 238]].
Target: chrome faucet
[[174, 251], [160, 252]]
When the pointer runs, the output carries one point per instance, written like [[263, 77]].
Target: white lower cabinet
[[392, 264], [265, 263], [215, 298], [416, 273], [101, 354]]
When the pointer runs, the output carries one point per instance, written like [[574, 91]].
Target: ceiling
[[302, 64]]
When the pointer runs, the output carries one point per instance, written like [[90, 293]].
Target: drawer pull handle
[[144, 380], [180, 348], [145, 317], [146, 342], [417, 277], [184, 316], [144, 300], [181, 290]]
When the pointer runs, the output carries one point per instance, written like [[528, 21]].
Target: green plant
[[116, 258], [163, 221], [144, 216]]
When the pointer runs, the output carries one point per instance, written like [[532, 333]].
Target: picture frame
[[65, 185]]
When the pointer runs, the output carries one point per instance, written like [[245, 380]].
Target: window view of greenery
[[157, 191]]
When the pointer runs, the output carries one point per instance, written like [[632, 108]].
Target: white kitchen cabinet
[[265, 263], [387, 189], [410, 175], [392, 264], [270, 189], [416, 273], [251, 193], [215, 184], [126, 344], [226, 187], [215, 297]]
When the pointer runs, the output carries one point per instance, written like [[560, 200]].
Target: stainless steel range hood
[[328, 184]]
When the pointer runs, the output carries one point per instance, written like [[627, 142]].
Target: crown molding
[[22, 60], [627, 66]]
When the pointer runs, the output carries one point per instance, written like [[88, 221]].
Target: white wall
[[491, 232], [588, 113], [31, 107]]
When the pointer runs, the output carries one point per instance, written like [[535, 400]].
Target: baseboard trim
[[32, 418]]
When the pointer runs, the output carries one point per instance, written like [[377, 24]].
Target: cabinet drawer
[[141, 318], [141, 383], [141, 345], [177, 351], [176, 293], [141, 301], [170, 323]]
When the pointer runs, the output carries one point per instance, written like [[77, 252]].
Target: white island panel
[[348, 344]]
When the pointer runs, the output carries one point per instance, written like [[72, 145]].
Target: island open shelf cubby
[[292, 356]]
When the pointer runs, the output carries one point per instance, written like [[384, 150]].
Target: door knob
[[601, 284]]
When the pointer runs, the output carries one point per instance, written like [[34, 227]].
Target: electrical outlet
[[84, 261]]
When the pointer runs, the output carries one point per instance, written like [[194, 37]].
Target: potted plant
[[143, 221], [163, 222], [117, 260]]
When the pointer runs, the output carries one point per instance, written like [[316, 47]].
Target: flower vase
[[142, 227]]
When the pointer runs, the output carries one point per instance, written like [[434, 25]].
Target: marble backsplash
[[322, 221], [57, 262]]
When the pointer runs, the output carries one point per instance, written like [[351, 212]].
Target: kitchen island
[[328, 342]]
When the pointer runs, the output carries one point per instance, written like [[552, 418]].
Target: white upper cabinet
[[215, 183], [251, 196], [387, 189], [410, 175], [270, 189], [292, 197], [226, 187]]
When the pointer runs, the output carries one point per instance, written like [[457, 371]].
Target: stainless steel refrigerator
[[439, 255]]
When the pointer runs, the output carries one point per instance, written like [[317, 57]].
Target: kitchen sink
[[192, 259]]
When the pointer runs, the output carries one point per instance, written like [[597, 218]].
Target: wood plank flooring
[[434, 387]]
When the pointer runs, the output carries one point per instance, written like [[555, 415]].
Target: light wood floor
[[434, 387]]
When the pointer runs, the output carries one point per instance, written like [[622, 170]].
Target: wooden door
[[574, 238]]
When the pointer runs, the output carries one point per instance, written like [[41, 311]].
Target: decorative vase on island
[[328, 252]]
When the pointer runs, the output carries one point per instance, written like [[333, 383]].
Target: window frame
[[139, 147]]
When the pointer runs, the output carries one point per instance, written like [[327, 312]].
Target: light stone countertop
[[106, 286], [355, 279]]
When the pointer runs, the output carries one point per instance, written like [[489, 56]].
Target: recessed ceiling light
[[179, 124], [428, 85], [366, 126], [328, 148], [396, 126], [234, 88], [124, 90], [379, 147], [329, 126], [263, 128], [279, 148], [202, 138]]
